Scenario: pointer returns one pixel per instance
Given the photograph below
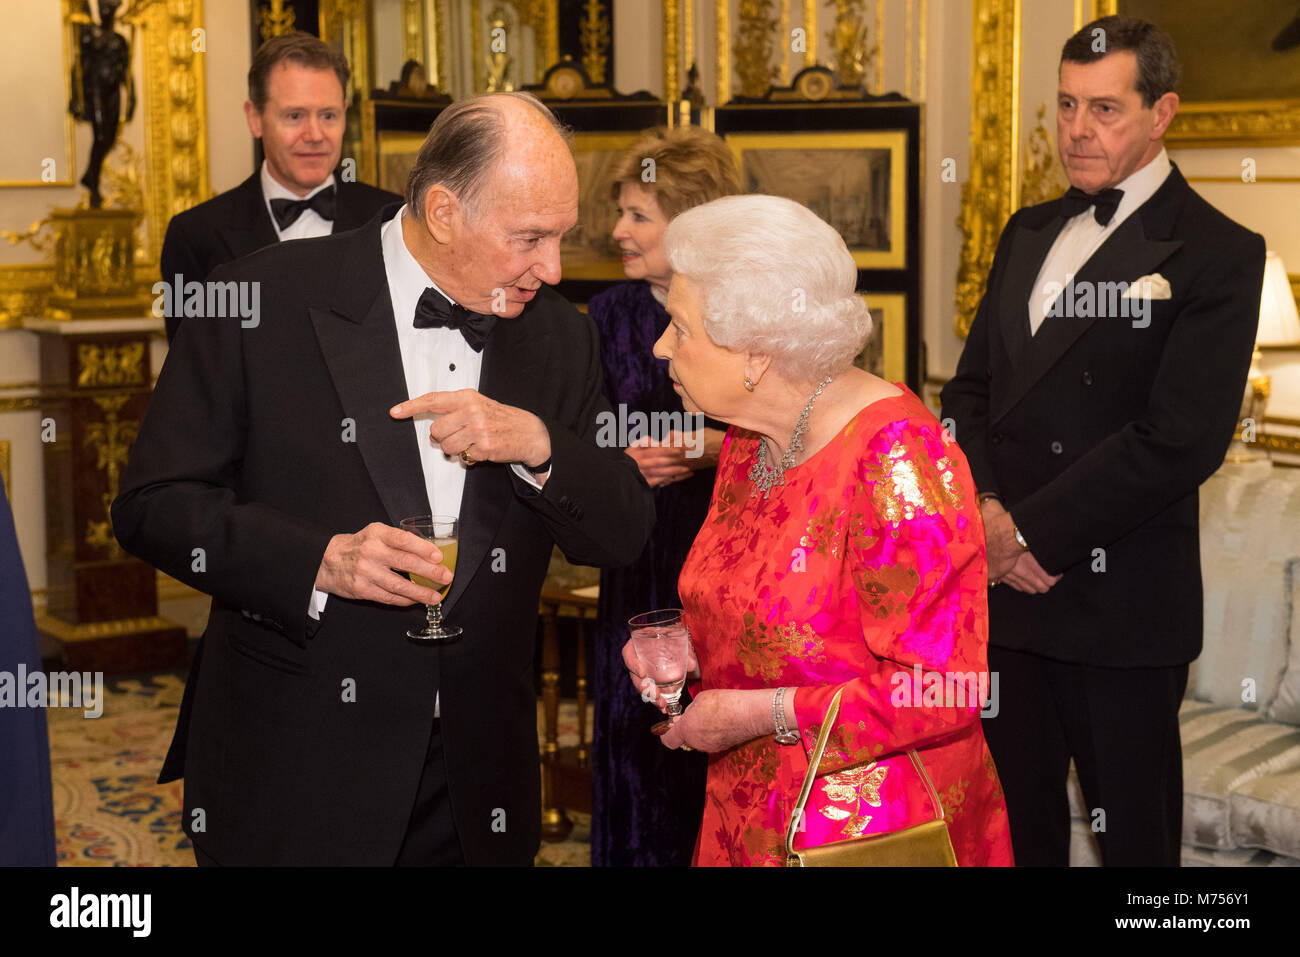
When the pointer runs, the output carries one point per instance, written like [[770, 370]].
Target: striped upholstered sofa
[[1240, 718]]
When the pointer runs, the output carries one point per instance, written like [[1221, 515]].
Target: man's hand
[[1007, 560], [361, 566], [1028, 576], [468, 421]]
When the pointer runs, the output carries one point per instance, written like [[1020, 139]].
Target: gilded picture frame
[[856, 181], [1206, 33], [885, 352]]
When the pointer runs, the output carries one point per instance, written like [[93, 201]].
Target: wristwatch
[[1020, 539], [783, 734]]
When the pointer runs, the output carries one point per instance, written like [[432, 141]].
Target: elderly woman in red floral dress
[[843, 550]]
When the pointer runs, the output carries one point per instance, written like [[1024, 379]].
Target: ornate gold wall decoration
[[110, 365], [722, 65], [111, 441], [6, 472], [176, 147], [499, 63], [849, 38], [413, 37], [987, 194], [594, 31], [275, 19], [672, 52], [754, 35], [1043, 177]]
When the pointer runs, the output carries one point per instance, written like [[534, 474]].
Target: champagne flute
[[663, 646], [443, 531]]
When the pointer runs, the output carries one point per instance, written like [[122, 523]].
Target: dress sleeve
[[914, 554]]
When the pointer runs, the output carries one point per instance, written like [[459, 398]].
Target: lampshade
[[1279, 324]]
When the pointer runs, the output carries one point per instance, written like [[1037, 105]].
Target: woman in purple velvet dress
[[647, 800]]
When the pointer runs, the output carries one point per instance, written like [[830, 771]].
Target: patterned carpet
[[108, 812]]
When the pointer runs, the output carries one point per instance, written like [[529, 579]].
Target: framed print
[[885, 353], [856, 181]]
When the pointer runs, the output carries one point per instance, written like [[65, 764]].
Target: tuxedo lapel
[[249, 228], [1029, 247], [359, 342], [512, 375], [1136, 249]]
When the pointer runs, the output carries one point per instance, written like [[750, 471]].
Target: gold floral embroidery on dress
[[839, 749], [757, 760], [823, 530], [853, 787], [856, 784], [951, 489], [953, 798], [861, 535], [902, 491], [768, 651], [887, 590]]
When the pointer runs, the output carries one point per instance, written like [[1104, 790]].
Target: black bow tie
[[433, 311], [1104, 203], [287, 211]]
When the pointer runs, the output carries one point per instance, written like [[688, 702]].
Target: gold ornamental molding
[[673, 69], [89, 631], [988, 194], [6, 462], [276, 20], [594, 30], [176, 143]]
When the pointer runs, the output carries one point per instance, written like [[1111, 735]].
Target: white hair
[[772, 278]]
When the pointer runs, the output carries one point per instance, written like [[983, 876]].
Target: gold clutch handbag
[[924, 845]]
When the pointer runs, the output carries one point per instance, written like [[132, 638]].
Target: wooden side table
[[566, 775]]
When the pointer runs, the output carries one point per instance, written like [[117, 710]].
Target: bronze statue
[[102, 70]]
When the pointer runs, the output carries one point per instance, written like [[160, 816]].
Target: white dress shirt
[[433, 360], [1082, 236], [309, 223]]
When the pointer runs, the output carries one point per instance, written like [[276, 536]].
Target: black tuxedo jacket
[[237, 223], [306, 742], [1096, 433]]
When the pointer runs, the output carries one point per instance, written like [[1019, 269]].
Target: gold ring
[[993, 583], [466, 457]]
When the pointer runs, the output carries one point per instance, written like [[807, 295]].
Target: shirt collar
[[1141, 185], [405, 275], [272, 188]]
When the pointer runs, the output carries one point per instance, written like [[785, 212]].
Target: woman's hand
[[720, 719], [645, 685], [678, 456]]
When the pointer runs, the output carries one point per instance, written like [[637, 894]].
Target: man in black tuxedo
[[1089, 420], [295, 107], [418, 365]]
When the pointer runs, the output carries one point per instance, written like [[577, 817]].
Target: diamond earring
[[748, 384]]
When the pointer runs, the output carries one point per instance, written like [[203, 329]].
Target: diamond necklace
[[765, 476]]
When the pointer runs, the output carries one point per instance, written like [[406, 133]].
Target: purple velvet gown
[[647, 801]]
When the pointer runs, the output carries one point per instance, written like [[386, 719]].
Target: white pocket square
[[1154, 286]]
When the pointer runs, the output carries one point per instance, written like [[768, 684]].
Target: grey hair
[[464, 144], [772, 278]]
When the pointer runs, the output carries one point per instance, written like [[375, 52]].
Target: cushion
[[1250, 536], [1223, 749], [1265, 813], [1285, 706]]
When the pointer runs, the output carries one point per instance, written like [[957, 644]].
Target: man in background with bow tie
[[417, 365], [296, 108], [1088, 431]]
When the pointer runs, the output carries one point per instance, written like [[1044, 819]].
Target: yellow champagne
[[448, 548]]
